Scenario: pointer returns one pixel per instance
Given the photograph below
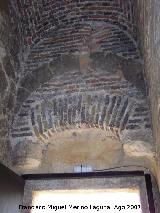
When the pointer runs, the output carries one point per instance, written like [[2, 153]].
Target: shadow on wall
[[11, 191]]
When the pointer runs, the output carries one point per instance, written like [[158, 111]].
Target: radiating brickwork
[[76, 66], [102, 100]]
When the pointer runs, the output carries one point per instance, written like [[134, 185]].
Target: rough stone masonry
[[69, 66]]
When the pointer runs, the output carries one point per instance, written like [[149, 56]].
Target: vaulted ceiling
[[51, 29], [75, 66], [80, 68]]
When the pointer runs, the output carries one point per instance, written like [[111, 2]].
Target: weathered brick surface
[[39, 39], [57, 43], [100, 100], [54, 28], [38, 17], [47, 30]]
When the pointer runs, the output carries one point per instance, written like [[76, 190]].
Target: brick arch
[[106, 39], [72, 22], [75, 100], [42, 15], [54, 29]]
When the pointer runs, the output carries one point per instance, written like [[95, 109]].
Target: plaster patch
[[138, 149]]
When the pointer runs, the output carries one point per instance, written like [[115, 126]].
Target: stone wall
[[149, 30], [10, 48]]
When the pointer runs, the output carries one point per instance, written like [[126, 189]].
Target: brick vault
[[77, 72]]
